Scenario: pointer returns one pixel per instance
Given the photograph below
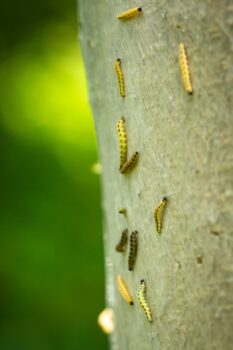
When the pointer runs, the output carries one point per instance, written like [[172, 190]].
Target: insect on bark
[[133, 249], [141, 296], [130, 164], [184, 68], [158, 214], [124, 290], [130, 13], [120, 77], [121, 246]]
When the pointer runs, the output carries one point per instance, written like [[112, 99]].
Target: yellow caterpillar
[[123, 289], [122, 211], [120, 247], [141, 296], [133, 248], [120, 77], [122, 141], [184, 68], [130, 13], [130, 164], [158, 214]]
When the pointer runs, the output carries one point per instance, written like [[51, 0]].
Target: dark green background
[[51, 251]]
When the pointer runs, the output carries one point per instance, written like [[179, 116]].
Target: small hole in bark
[[199, 259]]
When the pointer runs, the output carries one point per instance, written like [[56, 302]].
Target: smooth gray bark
[[186, 153]]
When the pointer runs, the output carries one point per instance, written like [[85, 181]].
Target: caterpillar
[[158, 214], [120, 247], [122, 141], [124, 290], [129, 13], [184, 68], [130, 164], [141, 296], [133, 248], [120, 77], [122, 211]]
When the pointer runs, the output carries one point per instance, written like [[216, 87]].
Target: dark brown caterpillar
[[120, 247], [133, 248], [130, 164]]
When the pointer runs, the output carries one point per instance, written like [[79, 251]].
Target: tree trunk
[[185, 145]]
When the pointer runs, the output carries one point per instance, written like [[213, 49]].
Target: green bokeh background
[[51, 251]]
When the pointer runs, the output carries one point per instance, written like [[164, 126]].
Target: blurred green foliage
[[51, 251]]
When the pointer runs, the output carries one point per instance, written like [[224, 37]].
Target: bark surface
[[186, 153]]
